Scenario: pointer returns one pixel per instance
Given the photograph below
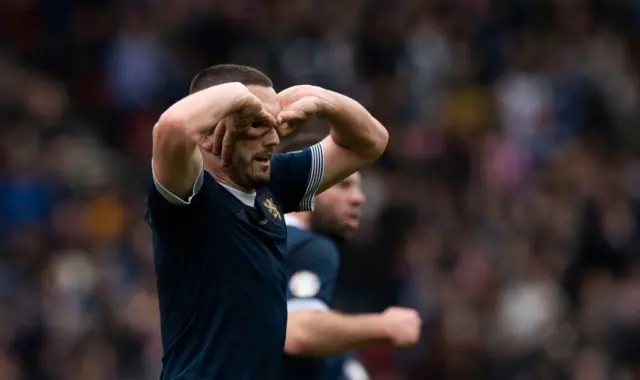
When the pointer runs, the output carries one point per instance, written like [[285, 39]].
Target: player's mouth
[[263, 160], [352, 220]]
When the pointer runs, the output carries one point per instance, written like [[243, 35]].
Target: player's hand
[[402, 326], [298, 104], [243, 119]]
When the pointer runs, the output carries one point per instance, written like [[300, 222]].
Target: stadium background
[[505, 209]]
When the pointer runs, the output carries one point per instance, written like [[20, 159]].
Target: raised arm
[[177, 162], [356, 137], [327, 333]]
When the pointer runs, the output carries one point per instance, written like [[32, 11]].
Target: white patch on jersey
[[354, 370], [304, 284], [306, 304]]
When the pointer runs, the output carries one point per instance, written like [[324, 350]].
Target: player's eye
[[257, 124]]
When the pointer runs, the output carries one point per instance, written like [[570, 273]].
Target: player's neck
[[224, 178]]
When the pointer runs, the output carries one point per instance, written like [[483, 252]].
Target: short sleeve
[[174, 199], [295, 178], [166, 211], [312, 270]]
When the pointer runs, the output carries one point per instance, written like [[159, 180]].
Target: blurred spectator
[[506, 209]]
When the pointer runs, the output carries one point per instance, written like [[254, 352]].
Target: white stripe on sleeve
[[316, 172], [174, 199]]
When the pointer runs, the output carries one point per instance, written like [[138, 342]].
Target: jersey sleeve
[[312, 269], [166, 210], [174, 199], [295, 178]]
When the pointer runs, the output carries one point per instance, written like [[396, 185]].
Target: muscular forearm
[[176, 161], [198, 113], [326, 333], [353, 127]]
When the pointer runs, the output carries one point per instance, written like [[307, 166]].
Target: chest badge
[[272, 208]]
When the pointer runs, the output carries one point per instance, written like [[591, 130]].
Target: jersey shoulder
[[295, 177], [297, 237], [312, 265], [308, 249], [205, 208]]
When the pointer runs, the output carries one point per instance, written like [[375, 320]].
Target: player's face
[[337, 210], [250, 161]]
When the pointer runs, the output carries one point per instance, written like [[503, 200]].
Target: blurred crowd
[[505, 210]]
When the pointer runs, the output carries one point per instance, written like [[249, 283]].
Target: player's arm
[[326, 333], [356, 138], [177, 163], [312, 328], [315, 330]]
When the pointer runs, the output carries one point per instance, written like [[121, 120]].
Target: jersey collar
[[248, 199]]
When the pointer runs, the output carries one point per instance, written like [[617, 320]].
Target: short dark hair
[[301, 140], [220, 74]]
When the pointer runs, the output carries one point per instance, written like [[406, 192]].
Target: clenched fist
[[402, 326]]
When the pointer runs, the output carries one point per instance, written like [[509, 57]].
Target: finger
[[284, 117], [302, 109], [266, 118], [254, 132], [218, 135], [262, 122], [295, 93], [285, 129], [290, 115], [227, 147], [289, 95]]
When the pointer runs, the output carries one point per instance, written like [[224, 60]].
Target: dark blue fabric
[[309, 252], [221, 280], [289, 181]]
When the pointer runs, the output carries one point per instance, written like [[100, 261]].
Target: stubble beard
[[247, 175], [326, 226]]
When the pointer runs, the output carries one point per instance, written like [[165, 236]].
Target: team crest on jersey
[[272, 208], [304, 284]]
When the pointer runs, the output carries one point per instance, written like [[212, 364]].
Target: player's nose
[[357, 197], [271, 139]]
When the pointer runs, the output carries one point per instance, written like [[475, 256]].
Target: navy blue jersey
[[220, 271], [312, 268], [312, 264]]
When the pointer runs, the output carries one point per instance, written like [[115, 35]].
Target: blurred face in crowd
[[337, 210]]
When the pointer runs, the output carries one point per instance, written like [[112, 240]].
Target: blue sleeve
[[170, 213], [295, 178], [312, 270]]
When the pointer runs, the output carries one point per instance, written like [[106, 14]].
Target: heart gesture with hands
[[298, 104], [244, 119]]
